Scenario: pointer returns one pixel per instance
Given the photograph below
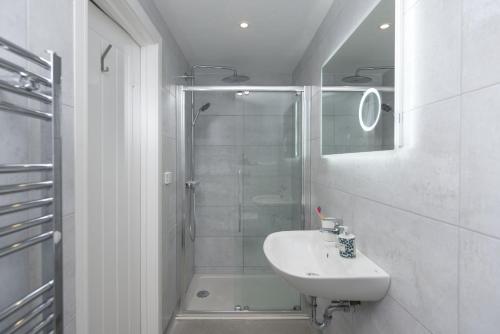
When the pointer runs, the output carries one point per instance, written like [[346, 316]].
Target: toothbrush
[[318, 212]]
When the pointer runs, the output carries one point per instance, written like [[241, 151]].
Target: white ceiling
[[208, 31]]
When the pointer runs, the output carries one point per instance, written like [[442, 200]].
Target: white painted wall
[[428, 213], [114, 205], [173, 64]]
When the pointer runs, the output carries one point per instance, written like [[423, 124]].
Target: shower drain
[[202, 294]]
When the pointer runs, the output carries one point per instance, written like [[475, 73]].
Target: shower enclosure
[[242, 181]]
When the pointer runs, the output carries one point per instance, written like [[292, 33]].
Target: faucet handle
[[331, 223]]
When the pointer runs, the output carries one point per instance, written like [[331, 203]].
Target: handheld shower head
[[202, 108], [205, 106]]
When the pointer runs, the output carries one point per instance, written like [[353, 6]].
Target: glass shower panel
[[271, 191], [248, 161]]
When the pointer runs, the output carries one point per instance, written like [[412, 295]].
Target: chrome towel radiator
[[40, 311]]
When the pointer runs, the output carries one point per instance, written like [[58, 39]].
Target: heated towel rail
[[40, 311]]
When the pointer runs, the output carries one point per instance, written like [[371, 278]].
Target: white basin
[[272, 200], [315, 268]]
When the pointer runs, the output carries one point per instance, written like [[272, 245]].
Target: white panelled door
[[114, 179]]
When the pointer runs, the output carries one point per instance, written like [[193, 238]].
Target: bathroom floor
[[225, 292], [240, 326]]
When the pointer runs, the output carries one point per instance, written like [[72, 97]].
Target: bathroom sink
[[272, 200], [315, 268]]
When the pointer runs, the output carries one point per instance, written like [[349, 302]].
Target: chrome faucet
[[338, 226]]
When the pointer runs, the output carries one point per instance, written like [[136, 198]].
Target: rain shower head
[[236, 78]]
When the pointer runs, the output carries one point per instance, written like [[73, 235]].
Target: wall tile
[[217, 190], [479, 272], [385, 317], [481, 23], [267, 185], [169, 113], [253, 254], [218, 252], [218, 130], [333, 203], [56, 18], [216, 221], [267, 160], [170, 153], [480, 175], [431, 52], [13, 21], [261, 220], [420, 256], [266, 130], [217, 160]]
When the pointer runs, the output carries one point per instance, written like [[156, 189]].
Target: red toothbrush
[[318, 212]]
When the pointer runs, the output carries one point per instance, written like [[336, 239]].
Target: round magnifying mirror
[[369, 109]]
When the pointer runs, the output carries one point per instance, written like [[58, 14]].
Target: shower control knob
[[192, 184]]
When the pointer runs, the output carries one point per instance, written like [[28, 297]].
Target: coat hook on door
[[105, 69]]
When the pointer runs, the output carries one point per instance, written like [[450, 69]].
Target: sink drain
[[202, 294]]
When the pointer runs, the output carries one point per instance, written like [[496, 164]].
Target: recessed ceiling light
[[384, 26], [244, 25]]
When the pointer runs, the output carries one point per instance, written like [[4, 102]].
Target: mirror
[[358, 111]]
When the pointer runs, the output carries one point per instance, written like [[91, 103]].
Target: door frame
[[133, 18]]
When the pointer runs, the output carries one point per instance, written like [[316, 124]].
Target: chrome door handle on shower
[[240, 197]]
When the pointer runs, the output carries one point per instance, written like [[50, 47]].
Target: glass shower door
[[270, 183], [248, 161]]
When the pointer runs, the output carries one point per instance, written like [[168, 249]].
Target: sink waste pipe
[[344, 306]]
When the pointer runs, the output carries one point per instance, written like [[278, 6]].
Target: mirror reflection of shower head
[[360, 79], [236, 78], [357, 79]]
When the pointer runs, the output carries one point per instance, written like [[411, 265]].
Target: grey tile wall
[[39, 26], [427, 213]]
